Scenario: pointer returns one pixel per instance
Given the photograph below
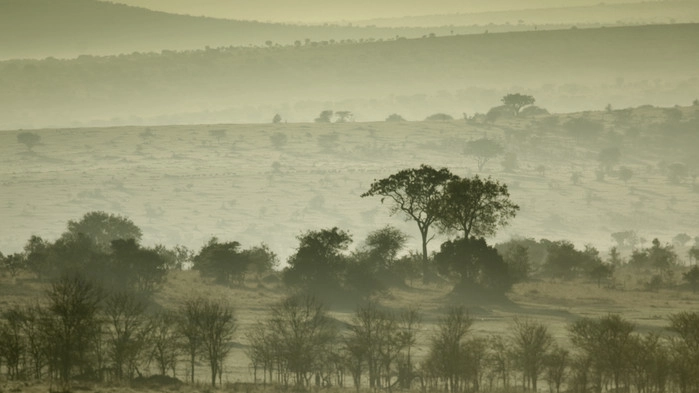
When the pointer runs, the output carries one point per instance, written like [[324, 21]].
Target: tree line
[[84, 332]]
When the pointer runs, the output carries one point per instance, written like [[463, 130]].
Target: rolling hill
[[566, 70]]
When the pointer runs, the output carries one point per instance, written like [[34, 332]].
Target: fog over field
[[372, 195]]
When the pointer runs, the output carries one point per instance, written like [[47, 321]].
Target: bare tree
[[128, 332], [217, 325], [446, 354], [531, 343], [165, 340], [305, 332], [188, 328], [71, 323]]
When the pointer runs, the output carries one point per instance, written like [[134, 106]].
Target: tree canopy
[[476, 206], [416, 193], [517, 101]]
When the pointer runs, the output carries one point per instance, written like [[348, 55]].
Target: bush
[[439, 117]]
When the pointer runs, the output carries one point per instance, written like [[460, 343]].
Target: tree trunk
[[425, 266]]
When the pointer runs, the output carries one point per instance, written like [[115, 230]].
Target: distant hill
[[566, 70], [679, 11], [69, 28]]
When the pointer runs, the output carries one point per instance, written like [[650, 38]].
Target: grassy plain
[[184, 184]]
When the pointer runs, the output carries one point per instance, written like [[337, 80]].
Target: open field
[[185, 184]]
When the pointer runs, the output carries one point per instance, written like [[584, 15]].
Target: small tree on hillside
[[517, 101], [395, 118], [101, 228], [483, 150], [609, 157], [324, 117], [28, 139], [225, 262]]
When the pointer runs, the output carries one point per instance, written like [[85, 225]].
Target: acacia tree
[[475, 206], [418, 194], [517, 101]]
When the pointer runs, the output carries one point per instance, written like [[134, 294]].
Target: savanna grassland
[[268, 183]]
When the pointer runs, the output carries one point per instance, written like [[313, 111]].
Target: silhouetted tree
[[531, 344], [517, 101], [166, 342], [13, 263], [277, 119], [417, 194], [216, 324], [606, 342], [480, 268], [555, 366], [128, 331], [439, 117], [318, 262], [324, 117], [692, 277], [305, 334], [137, 267], [446, 353], [344, 116], [395, 118], [225, 262], [72, 323], [101, 228], [188, 316], [475, 206]]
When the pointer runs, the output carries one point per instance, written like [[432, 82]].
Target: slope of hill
[[566, 70], [186, 184]]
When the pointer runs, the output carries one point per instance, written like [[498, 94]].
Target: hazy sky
[[315, 11]]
